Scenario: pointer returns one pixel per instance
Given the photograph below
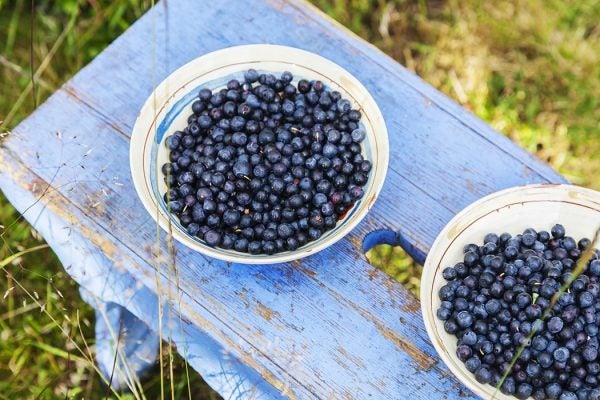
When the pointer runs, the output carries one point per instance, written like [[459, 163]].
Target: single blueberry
[[558, 231], [251, 75], [555, 324], [212, 238]]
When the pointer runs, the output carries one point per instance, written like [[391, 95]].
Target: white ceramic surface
[[169, 106], [512, 210]]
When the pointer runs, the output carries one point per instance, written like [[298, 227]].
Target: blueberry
[[535, 263], [483, 375], [358, 135], [561, 354], [544, 359], [558, 231], [568, 396], [533, 312], [594, 394], [231, 217], [464, 319], [493, 306], [471, 258], [594, 267], [511, 252], [553, 390], [450, 326], [243, 199], [184, 162], [583, 244], [356, 192], [569, 243], [443, 314], [489, 248], [175, 206], [204, 121], [287, 77], [327, 209], [316, 221], [254, 247], [303, 86], [239, 139], [523, 300], [449, 273], [463, 352], [330, 150], [528, 239], [555, 324], [524, 391], [491, 238], [260, 171], [590, 353], [591, 329], [496, 263], [212, 238], [566, 298], [319, 199], [509, 386], [585, 299], [314, 233], [473, 364], [251, 76], [284, 231], [193, 228], [172, 142], [279, 169]]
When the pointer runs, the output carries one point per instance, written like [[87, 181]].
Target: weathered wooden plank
[[419, 118], [103, 280], [288, 315], [330, 325]]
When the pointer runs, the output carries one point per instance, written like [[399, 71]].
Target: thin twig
[[31, 58], [114, 366], [68, 365], [19, 70]]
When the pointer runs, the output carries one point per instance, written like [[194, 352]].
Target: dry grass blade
[[31, 57], [114, 365], [17, 68], [15, 256], [87, 347]]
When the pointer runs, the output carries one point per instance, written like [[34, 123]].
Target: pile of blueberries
[[508, 288], [265, 165]]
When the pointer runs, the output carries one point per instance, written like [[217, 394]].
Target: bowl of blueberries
[[259, 154], [510, 294]]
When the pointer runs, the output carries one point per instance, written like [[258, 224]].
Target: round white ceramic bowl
[[169, 106], [512, 210]]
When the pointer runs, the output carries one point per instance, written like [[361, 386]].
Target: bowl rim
[[440, 246], [161, 97]]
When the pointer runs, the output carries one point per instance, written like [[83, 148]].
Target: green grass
[[530, 69]]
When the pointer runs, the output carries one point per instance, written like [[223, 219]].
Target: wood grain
[[329, 326]]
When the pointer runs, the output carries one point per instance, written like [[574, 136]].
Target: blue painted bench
[[330, 326]]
